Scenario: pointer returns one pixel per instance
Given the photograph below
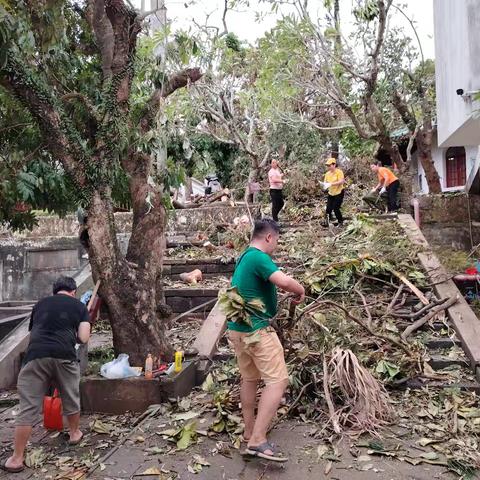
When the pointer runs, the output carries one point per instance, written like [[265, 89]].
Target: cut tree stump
[[211, 332]]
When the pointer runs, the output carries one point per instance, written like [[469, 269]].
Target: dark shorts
[[37, 376]]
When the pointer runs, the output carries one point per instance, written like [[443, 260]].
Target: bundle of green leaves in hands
[[237, 309]]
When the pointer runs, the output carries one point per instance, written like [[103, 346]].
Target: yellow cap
[[331, 161]]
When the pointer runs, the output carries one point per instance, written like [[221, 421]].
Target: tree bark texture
[[424, 152]]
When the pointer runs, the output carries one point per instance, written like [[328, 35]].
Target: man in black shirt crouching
[[57, 323]]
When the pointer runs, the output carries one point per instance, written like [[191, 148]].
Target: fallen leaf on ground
[[328, 467], [77, 474], [208, 384], [196, 464], [100, 427], [427, 441], [187, 435], [429, 455], [322, 449], [378, 452], [186, 415], [156, 450], [149, 471], [364, 458], [35, 458], [171, 432]]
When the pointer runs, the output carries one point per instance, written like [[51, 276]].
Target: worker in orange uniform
[[334, 183], [387, 183]]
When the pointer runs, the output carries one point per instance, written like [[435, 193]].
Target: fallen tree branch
[[422, 311], [365, 305], [328, 398], [411, 286], [387, 338], [194, 309], [394, 299], [433, 312]]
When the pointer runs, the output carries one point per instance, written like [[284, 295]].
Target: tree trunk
[[188, 189], [253, 176], [131, 286], [424, 149]]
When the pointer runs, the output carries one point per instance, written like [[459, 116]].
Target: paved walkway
[[127, 453]]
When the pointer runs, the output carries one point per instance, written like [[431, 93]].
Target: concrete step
[[438, 362], [439, 343], [417, 384]]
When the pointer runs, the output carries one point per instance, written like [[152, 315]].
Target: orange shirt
[[385, 172]]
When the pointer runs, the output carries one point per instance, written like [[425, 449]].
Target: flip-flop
[[75, 442], [10, 469], [259, 451]]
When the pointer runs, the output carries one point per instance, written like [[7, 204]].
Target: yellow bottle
[[178, 361], [149, 367]]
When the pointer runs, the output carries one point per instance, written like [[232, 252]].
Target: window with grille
[[456, 167]]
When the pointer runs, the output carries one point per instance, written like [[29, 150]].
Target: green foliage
[[367, 10], [232, 42], [236, 309], [354, 145]]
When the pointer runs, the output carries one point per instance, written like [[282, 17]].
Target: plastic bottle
[[178, 361], [149, 366]]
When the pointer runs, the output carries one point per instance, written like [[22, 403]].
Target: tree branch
[[62, 139], [172, 84], [85, 100], [374, 64], [180, 80], [402, 108], [224, 18], [103, 31]]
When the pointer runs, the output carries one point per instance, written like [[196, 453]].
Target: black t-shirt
[[54, 326]]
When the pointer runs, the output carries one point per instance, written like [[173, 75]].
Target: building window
[[455, 167]]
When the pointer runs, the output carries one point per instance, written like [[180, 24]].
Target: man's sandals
[[259, 451], [4, 467]]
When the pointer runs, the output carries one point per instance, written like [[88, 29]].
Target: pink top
[[275, 179]]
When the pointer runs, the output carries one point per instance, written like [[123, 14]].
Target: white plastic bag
[[118, 368]]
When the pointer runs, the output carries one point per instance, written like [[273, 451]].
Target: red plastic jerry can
[[52, 412]]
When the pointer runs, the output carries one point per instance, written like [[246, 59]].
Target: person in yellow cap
[[334, 181]]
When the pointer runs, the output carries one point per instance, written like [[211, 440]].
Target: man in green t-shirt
[[257, 348]]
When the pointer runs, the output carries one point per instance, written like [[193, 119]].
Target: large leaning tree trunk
[[422, 134], [130, 285]]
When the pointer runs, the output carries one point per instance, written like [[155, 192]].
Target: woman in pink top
[[275, 179]]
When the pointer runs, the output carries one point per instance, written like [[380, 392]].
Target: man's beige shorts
[[263, 359], [34, 381]]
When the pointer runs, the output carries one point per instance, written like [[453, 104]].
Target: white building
[[454, 165], [457, 71]]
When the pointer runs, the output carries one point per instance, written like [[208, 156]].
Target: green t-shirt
[[252, 271]]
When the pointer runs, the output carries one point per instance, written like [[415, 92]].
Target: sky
[[243, 22]]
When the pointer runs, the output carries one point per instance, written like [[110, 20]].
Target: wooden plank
[[412, 287], [464, 320], [211, 332]]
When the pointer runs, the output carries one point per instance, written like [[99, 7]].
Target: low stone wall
[[184, 299], [449, 208], [189, 220], [444, 219], [209, 267], [29, 267]]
